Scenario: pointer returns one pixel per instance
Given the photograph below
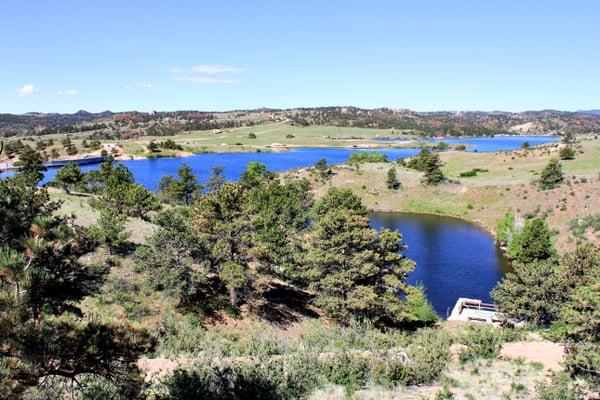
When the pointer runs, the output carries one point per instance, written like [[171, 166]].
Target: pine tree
[[323, 169], [356, 271], [392, 179], [216, 179], [181, 189], [188, 183], [580, 316], [432, 174], [223, 229], [532, 292], [338, 199], [30, 164], [552, 175], [45, 335], [255, 174], [533, 242], [169, 256], [140, 201], [110, 229], [69, 175]]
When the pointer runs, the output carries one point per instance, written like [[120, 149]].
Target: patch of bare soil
[[549, 354]]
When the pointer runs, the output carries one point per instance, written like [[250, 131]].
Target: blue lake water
[[149, 171], [489, 144], [454, 257]]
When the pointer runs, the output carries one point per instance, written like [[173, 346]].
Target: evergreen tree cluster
[[561, 292], [229, 244], [45, 336]]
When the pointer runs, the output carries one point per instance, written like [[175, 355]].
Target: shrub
[[347, 369], [367, 157], [444, 394], [319, 337], [482, 341], [468, 174], [505, 229], [561, 388], [252, 135], [253, 379], [473, 172], [566, 153], [428, 355], [390, 371]]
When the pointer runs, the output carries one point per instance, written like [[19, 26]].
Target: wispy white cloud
[[27, 90], [205, 73], [145, 84], [174, 70], [205, 80], [216, 69], [209, 69], [69, 92]]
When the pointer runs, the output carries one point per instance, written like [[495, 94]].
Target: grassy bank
[[507, 183]]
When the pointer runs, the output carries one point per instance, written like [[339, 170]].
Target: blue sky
[[63, 56]]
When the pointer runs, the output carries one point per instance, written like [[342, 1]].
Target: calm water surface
[[149, 171], [488, 144], [454, 258]]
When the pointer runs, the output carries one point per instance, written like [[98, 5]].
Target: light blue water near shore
[[490, 144]]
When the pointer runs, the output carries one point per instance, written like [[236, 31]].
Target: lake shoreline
[[362, 144], [476, 223]]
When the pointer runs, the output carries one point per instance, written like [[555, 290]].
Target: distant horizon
[[580, 110]]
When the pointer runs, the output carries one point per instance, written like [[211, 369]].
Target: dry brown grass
[[481, 379], [508, 186]]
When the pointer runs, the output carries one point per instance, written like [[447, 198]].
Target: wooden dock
[[474, 310]]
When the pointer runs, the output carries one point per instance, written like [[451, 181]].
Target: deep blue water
[[149, 171], [497, 143], [454, 258]]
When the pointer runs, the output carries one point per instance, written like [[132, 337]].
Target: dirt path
[[549, 354]]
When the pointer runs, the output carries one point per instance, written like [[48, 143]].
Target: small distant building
[[217, 131]]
